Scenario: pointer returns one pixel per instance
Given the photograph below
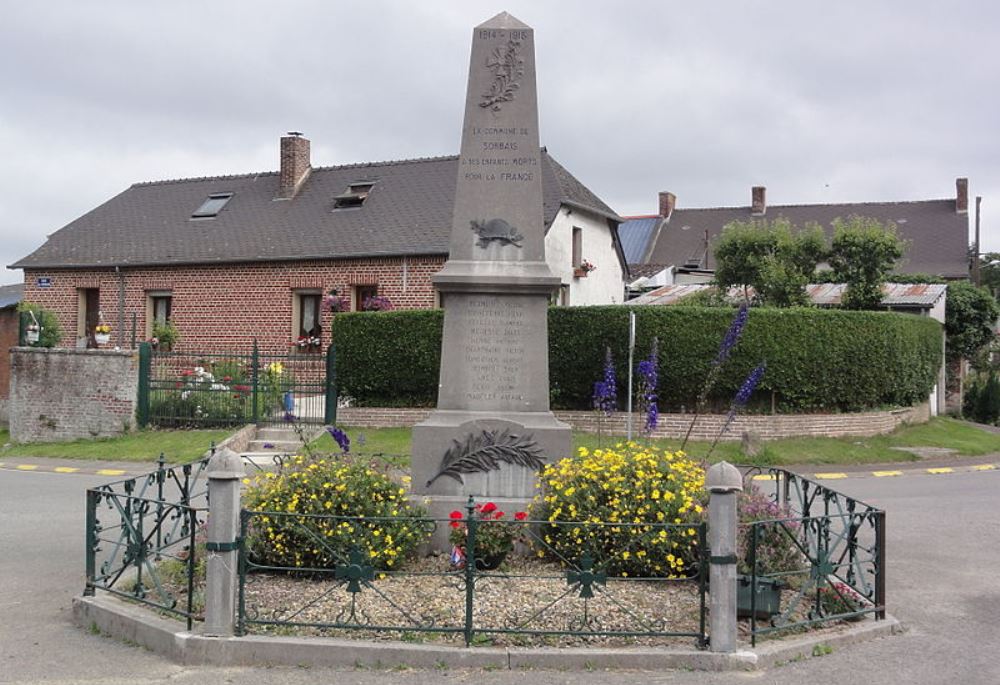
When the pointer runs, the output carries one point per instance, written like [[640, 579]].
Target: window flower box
[[583, 269]]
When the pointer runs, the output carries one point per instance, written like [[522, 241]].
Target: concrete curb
[[134, 624]]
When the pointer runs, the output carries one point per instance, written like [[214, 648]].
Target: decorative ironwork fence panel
[[194, 389], [142, 536], [821, 556], [546, 589]]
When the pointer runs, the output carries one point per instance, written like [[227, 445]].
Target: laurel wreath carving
[[486, 451], [508, 68]]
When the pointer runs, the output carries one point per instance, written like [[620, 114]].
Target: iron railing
[[142, 537], [195, 389], [830, 550], [570, 595]]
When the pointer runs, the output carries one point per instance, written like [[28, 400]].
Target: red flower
[[455, 516], [489, 508], [498, 515], [520, 516]]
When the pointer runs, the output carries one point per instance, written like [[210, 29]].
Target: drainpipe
[[121, 307]]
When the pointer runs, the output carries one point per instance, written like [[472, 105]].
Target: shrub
[[312, 513], [495, 534], [982, 399], [776, 551], [633, 509], [51, 333]]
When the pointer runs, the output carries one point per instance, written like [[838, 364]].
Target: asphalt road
[[943, 583]]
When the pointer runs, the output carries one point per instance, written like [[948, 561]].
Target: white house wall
[[606, 283]]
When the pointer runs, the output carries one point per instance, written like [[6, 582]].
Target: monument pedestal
[[460, 434]]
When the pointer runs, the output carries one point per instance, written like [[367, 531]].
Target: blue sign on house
[[44, 281]]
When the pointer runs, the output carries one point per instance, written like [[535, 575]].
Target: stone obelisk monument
[[492, 428]]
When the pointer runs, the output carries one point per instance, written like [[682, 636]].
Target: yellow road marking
[[27, 467], [830, 476], [764, 476], [944, 470], [66, 469], [984, 467], [882, 474], [110, 472]]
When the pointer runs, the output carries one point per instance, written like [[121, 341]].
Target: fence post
[[724, 485], [330, 408], [142, 399], [225, 470], [254, 381]]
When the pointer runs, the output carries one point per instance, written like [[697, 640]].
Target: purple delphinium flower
[[289, 417], [340, 437], [648, 379], [606, 390], [732, 335], [740, 401], [269, 445], [749, 385]]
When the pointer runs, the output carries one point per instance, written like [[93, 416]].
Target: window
[[362, 295], [307, 330], [354, 196], [211, 207], [577, 247], [159, 304]]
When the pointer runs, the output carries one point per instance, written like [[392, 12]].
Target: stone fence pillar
[[724, 485], [225, 471]]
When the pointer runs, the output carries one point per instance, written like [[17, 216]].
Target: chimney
[[294, 164], [758, 204], [667, 203], [962, 195]]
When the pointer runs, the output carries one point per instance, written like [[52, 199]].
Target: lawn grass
[[145, 445], [965, 438]]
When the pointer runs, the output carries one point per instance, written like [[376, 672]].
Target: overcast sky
[[821, 102]]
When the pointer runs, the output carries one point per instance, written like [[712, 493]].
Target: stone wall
[[61, 394], [676, 425]]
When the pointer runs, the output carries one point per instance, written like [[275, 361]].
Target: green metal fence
[[142, 538], [193, 389], [818, 557], [540, 594]]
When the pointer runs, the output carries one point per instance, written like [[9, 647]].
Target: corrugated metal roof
[[920, 295], [635, 234], [11, 295]]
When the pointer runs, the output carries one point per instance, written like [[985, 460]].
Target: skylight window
[[211, 207], [354, 196]]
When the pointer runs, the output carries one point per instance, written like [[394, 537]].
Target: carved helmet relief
[[496, 229]]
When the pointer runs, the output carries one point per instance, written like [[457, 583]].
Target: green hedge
[[816, 359]]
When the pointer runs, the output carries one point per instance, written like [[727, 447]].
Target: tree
[[862, 254], [989, 272], [969, 319], [771, 257]]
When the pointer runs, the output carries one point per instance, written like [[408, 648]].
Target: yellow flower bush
[[314, 511], [634, 509]]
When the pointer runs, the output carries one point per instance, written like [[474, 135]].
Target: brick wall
[[676, 425], [61, 394], [223, 307], [9, 322]]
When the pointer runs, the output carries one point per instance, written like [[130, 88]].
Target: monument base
[[492, 456]]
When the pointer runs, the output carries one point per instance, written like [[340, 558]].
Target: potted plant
[[337, 303], [165, 335], [495, 536], [376, 303], [308, 343], [102, 333], [584, 268], [775, 553]]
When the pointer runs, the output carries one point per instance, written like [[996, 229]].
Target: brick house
[[675, 245], [231, 258], [10, 296]]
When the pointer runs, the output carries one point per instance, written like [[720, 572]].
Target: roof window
[[354, 196], [211, 207]]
